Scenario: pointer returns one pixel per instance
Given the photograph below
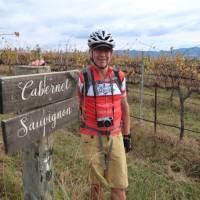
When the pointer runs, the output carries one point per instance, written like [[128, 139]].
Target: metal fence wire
[[140, 94]]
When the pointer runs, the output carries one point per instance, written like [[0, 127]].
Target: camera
[[105, 122]]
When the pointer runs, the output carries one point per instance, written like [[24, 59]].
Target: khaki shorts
[[115, 176]]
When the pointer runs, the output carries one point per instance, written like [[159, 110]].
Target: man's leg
[[118, 194], [117, 171], [90, 148], [96, 192]]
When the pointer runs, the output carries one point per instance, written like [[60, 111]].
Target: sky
[[134, 24]]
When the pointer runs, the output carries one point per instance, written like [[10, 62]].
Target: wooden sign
[[27, 128], [22, 93]]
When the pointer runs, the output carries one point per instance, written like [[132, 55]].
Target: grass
[[164, 171], [160, 171], [146, 184]]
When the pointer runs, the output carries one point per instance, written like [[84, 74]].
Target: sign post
[[44, 102], [37, 165]]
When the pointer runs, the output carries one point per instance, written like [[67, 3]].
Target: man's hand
[[127, 143], [37, 63]]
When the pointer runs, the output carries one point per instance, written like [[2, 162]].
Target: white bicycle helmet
[[101, 39]]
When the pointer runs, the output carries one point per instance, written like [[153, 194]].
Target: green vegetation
[[159, 167]]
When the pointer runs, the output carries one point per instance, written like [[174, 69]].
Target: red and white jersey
[[107, 103]]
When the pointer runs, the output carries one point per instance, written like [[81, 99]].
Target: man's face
[[101, 56]]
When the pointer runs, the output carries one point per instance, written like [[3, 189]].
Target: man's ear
[[90, 52]]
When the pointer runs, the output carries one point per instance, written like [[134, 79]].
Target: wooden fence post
[[155, 107], [142, 88], [155, 111], [37, 165]]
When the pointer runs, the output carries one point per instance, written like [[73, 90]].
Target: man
[[104, 118]]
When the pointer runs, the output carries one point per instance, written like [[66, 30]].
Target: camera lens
[[107, 123]]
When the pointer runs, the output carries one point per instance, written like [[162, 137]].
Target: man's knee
[[118, 194], [96, 192]]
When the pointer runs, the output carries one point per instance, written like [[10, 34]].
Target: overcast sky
[[135, 24]]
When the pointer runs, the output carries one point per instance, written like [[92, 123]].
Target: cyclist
[[105, 120]]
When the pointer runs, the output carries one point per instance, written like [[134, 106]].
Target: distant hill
[[193, 52]]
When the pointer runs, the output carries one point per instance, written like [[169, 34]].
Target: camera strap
[[95, 94], [106, 156], [112, 92]]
